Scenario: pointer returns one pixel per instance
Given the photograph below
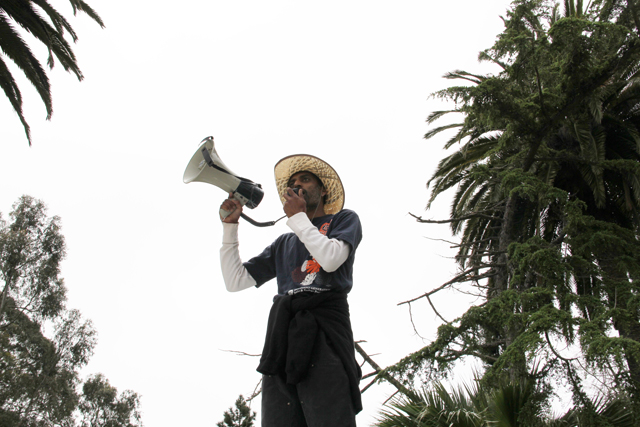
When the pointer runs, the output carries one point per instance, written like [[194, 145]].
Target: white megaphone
[[206, 166]]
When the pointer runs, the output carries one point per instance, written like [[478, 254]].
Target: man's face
[[313, 191]]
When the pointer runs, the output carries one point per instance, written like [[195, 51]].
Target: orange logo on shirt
[[313, 266], [306, 274], [325, 228]]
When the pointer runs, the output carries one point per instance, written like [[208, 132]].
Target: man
[[310, 375]]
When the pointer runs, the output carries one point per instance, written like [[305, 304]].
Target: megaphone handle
[[224, 213]]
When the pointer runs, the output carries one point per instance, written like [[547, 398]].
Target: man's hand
[[233, 206], [294, 203]]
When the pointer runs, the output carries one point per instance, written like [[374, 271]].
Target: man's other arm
[[235, 275], [330, 253]]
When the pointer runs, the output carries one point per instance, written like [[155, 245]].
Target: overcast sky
[[347, 81]]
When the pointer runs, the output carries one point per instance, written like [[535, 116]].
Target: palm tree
[[28, 14], [558, 128], [510, 405], [607, 128]]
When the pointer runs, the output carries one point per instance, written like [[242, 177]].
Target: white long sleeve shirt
[[330, 253]]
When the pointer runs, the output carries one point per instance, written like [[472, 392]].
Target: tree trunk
[[517, 369]]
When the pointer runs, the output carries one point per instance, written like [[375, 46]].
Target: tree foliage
[[241, 416], [43, 344], [546, 181], [101, 405], [509, 405], [42, 21]]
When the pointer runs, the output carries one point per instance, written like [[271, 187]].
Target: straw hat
[[291, 165]]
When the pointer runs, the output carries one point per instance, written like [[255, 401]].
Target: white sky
[[346, 81]]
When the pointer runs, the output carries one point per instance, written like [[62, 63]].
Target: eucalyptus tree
[[42, 21], [547, 195], [44, 344], [101, 405]]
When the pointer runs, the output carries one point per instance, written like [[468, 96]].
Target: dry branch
[[457, 279], [241, 353], [381, 373], [460, 218]]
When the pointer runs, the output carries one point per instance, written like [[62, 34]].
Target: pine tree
[[241, 416]]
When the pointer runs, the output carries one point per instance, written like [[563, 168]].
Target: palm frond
[[59, 22], [10, 88], [617, 411], [435, 115], [16, 49], [84, 7], [49, 29], [439, 129], [509, 401], [459, 74]]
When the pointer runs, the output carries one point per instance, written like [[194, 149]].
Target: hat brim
[[293, 164]]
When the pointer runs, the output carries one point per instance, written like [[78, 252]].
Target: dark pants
[[321, 399]]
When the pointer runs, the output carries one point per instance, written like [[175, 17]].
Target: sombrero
[[291, 165]]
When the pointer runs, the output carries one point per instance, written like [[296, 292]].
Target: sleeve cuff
[[229, 233]]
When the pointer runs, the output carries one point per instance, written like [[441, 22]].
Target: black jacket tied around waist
[[294, 322]]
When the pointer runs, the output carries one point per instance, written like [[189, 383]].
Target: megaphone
[[206, 166]]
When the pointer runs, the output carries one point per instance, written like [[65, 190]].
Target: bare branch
[[366, 357], [473, 294], [546, 334], [368, 385], [457, 279], [434, 310], [460, 218], [241, 353], [256, 391], [413, 324], [370, 374], [383, 374], [442, 240]]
